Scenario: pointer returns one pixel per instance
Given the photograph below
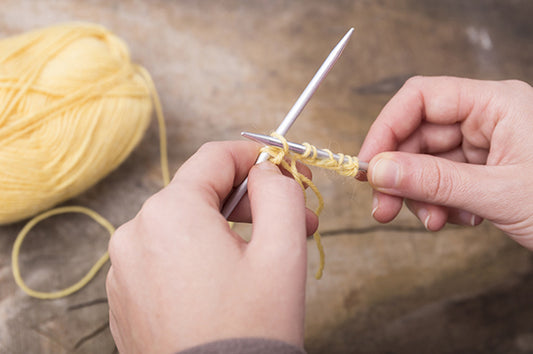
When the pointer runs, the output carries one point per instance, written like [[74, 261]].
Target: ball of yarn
[[72, 108]]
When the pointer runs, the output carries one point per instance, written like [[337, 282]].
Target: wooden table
[[226, 66]]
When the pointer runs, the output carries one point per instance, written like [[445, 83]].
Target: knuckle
[[115, 244], [208, 146], [414, 82], [518, 84], [211, 147], [149, 215], [110, 282], [151, 206], [439, 186], [119, 242]]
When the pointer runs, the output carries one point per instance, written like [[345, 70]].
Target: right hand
[[457, 150]]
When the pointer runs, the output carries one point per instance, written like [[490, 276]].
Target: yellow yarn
[[81, 283], [72, 108], [279, 156], [348, 168]]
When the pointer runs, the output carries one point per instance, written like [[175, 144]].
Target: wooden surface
[[226, 66]]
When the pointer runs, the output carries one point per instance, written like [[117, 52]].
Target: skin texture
[[456, 150], [181, 277]]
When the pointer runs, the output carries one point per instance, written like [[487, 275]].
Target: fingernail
[[375, 205], [476, 220], [424, 216], [468, 218], [385, 173]]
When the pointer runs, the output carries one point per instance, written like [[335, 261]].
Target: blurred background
[[222, 67]]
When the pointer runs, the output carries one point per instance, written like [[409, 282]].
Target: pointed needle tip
[[254, 137], [349, 33]]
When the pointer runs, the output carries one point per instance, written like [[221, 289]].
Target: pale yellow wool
[[287, 159], [72, 108], [83, 281]]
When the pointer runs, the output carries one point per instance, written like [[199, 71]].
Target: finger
[[434, 217], [432, 138], [391, 205], [385, 207], [439, 181], [456, 155], [215, 169], [278, 211], [311, 222], [277, 251], [474, 154], [242, 213], [301, 168], [462, 217], [439, 100]]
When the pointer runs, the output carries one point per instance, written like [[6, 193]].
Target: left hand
[[181, 277]]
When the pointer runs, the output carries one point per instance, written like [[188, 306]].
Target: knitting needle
[[298, 148], [291, 116]]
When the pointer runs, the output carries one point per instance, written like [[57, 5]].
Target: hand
[[464, 152], [181, 277]]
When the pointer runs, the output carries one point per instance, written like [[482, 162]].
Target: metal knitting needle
[[297, 148], [289, 119]]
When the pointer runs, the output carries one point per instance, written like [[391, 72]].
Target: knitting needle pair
[[291, 116]]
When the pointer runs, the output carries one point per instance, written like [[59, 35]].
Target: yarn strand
[[280, 155], [86, 278], [161, 123]]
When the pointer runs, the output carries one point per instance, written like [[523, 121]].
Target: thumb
[[278, 210], [474, 188]]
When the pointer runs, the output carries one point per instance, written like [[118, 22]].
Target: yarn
[[72, 108], [83, 281], [287, 159]]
